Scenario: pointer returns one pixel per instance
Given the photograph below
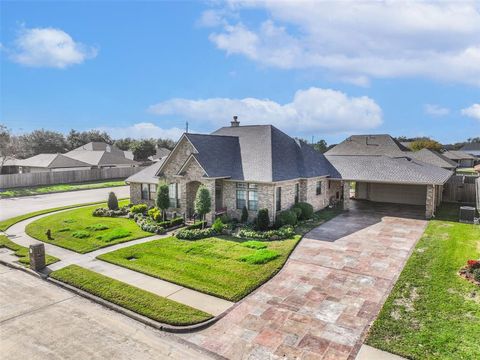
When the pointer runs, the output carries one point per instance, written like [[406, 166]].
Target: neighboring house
[[385, 172], [380, 144], [259, 166], [101, 146], [161, 153], [9, 165], [472, 149], [461, 158], [50, 163], [102, 159], [433, 158]]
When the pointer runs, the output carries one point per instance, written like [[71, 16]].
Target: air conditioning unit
[[467, 214]]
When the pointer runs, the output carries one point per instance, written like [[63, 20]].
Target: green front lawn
[[36, 190], [220, 266], [466, 171], [130, 297], [80, 231], [22, 252], [433, 313]]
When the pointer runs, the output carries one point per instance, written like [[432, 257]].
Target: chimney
[[235, 122]]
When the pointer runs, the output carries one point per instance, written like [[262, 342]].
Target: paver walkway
[[196, 299], [323, 301]]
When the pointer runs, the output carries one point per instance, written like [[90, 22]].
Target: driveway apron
[[331, 289]]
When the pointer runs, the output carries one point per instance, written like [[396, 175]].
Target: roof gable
[[434, 158]]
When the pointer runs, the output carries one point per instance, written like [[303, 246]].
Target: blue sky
[[144, 68]]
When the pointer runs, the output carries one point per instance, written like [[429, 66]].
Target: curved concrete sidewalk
[[210, 304]]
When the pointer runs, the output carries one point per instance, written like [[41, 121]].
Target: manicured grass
[[5, 224], [432, 313], [80, 231], [130, 297], [213, 265], [319, 218], [22, 252], [36, 190]]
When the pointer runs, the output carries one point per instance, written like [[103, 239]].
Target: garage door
[[392, 193]]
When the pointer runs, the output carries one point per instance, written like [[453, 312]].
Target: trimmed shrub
[[284, 232], [244, 217], [218, 226], [147, 224], [81, 234], [171, 223], [261, 256], [64, 229], [195, 234], [476, 274], [104, 212], [263, 220], [225, 219], [297, 211], [198, 225], [306, 210], [287, 217], [139, 209], [112, 201]]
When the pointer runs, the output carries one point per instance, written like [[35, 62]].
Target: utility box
[[467, 214], [37, 257]]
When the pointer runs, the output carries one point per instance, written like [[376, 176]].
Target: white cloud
[[143, 130], [313, 109], [472, 111], [436, 110], [380, 39], [48, 47]]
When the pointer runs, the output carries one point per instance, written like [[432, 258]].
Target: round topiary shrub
[[263, 220], [306, 210], [287, 217], [297, 211]]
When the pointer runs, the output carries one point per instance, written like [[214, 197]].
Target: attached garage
[[398, 180], [391, 193]]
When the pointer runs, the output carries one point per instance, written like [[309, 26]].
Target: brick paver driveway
[[333, 286]]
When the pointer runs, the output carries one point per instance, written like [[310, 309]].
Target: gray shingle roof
[[433, 158], [387, 169], [266, 154], [471, 146], [52, 161], [100, 158], [457, 155], [147, 175], [369, 145], [161, 153]]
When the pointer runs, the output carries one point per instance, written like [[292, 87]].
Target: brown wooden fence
[[65, 177], [460, 188]]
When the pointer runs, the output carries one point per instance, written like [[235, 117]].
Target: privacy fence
[[461, 188], [65, 177]]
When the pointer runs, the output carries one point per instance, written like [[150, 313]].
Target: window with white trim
[[247, 196], [145, 192], [319, 187], [173, 195]]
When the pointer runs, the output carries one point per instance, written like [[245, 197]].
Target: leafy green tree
[[203, 202], [142, 149], [320, 146], [42, 141], [166, 143], [163, 200], [76, 138], [426, 144], [123, 144]]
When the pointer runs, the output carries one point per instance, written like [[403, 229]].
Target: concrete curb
[[23, 268]]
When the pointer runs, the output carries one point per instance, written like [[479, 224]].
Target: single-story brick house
[[259, 166]]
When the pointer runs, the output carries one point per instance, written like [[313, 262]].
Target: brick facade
[[193, 175]]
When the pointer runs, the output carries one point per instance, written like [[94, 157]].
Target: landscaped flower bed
[[471, 271]]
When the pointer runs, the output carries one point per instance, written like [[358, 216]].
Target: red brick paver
[[322, 302]]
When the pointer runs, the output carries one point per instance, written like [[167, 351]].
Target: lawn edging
[[60, 191], [5, 224]]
